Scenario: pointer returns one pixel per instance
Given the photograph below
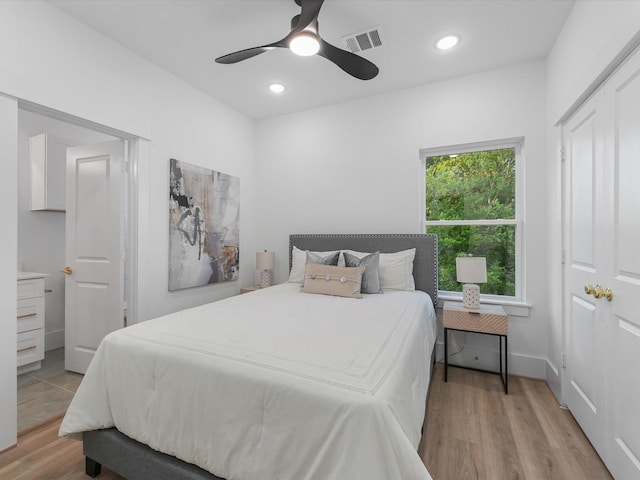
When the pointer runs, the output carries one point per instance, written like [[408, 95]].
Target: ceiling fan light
[[304, 44], [445, 43]]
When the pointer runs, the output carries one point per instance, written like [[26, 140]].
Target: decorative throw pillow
[[298, 261], [333, 280], [371, 275], [317, 257], [396, 269]]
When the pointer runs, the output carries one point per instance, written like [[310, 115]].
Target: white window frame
[[518, 144]]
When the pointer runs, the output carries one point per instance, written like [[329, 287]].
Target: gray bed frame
[[136, 461]]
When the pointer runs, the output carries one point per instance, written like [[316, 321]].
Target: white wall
[[8, 284], [354, 167], [594, 38], [41, 234], [50, 59], [594, 34]]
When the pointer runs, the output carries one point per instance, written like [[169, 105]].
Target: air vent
[[364, 40]]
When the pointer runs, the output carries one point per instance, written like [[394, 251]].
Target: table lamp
[[265, 261], [471, 271]]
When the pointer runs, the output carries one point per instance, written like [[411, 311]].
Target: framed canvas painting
[[204, 236]]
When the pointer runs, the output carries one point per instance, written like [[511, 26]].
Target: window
[[471, 203]]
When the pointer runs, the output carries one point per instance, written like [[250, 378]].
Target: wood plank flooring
[[41, 455], [472, 431]]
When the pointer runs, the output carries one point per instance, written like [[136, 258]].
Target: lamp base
[[471, 295], [265, 278]]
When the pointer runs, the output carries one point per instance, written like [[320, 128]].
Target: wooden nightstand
[[488, 320], [252, 288]]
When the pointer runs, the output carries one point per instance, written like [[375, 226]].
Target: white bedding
[[275, 384]]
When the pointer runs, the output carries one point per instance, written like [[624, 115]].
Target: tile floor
[[46, 392]]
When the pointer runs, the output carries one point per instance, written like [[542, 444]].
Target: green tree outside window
[[471, 206]]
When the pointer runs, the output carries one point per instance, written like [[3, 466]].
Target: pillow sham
[[331, 259], [396, 269], [333, 280], [298, 261], [371, 275]]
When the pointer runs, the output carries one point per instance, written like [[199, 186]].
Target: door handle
[[598, 292], [67, 270]]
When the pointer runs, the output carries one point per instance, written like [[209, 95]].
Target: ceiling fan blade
[[309, 13], [351, 63], [236, 57]]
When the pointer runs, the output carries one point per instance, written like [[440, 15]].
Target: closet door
[[602, 248], [585, 266], [623, 311]]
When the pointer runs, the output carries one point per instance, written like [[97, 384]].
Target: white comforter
[[275, 384]]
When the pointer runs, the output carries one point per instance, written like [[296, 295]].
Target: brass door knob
[[67, 270], [608, 294], [588, 289], [598, 292]]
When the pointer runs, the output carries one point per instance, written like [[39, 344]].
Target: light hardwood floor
[[472, 431]]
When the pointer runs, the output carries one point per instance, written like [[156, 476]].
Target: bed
[[272, 384]]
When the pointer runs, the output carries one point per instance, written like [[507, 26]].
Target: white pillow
[[298, 261], [396, 269]]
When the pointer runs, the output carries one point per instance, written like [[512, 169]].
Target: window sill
[[512, 307]]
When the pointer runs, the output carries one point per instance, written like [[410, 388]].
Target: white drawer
[[30, 314], [30, 346], [30, 288]]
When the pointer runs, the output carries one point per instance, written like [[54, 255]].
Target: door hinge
[[563, 257], [563, 155], [564, 360]]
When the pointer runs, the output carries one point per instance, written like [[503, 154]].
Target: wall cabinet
[[48, 160], [30, 318]]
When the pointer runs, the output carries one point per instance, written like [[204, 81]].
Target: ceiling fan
[[304, 40]]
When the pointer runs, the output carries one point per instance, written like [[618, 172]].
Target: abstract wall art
[[204, 236]]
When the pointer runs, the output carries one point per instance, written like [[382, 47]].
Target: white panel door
[[623, 146], [94, 294], [584, 266]]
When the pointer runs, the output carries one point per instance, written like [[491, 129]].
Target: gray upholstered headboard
[[425, 265]]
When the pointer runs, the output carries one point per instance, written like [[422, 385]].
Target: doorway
[[45, 392]]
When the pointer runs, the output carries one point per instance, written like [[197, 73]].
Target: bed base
[[134, 460]]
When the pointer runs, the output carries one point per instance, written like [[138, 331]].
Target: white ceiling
[[185, 36]]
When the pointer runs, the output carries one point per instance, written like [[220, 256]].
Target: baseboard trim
[[488, 359], [53, 340], [10, 447], [554, 380]]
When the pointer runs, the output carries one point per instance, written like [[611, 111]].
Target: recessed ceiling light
[[276, 88], [445, 43]]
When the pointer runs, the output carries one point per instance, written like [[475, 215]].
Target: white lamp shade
[[265, 260], [471, 269]]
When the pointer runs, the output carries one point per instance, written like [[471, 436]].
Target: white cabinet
[[30, 318], [48, 159]]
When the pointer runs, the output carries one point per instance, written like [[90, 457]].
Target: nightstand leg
[[500, 341], [506, 366], [446, 356]]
